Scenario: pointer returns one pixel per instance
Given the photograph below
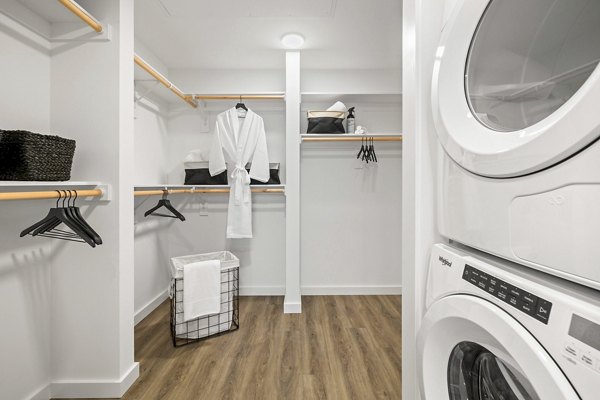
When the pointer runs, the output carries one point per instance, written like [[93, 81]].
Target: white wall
[[231, 81], [68, 325], [351, 81], [351, 219], [163, 139], [25, 287], [344, 191], [422, 25], [151, 240], [262, 258], [92, 302], [351, 213]]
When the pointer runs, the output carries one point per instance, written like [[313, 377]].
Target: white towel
[[201, 289], [338, 106]]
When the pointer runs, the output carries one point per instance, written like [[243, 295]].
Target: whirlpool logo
[[445, 261]]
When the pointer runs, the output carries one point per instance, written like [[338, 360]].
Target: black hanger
[[63, 215], [367, 153], [50, 225], [241, 105], [373, 150], [164, 202], [76, 214], [46, 220], [55, 217], [84, 234], [362, 148]]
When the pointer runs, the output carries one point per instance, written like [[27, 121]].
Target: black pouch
[[326, 122], [273, 175], [201, 176]]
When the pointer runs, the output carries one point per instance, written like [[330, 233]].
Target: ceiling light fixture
[[292, 40]]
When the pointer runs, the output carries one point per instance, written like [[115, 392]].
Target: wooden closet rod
[[352, 139], [49, 194], [202, 191], [82, 14], [237, 97], [168, 84]]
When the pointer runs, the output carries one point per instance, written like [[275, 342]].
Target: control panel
[[585, 348], [520, 299]]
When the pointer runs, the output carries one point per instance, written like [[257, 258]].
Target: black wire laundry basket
[[227, 320]]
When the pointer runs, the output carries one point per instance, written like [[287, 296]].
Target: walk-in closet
[[200, 200]]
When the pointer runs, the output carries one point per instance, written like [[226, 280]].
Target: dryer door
[[470, 349], [515, 84]]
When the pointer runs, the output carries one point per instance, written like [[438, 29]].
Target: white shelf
[[391, 93], [51, 21], [159, 187], [47, 184], [337, 135], [331, 97], [50, 11]]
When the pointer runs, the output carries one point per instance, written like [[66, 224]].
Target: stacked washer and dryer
[[513, 298]]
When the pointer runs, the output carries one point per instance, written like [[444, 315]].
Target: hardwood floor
[[340, 347]]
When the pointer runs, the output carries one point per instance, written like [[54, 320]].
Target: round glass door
[[528, 58], [475, 373], [515, 84]]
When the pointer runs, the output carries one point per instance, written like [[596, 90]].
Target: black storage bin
[[326, 122], [28, 156], [273, 175], [201, 175]]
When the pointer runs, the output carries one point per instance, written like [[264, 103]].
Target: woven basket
[[27, 156]]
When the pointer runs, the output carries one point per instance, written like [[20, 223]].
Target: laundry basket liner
[[228, 261]]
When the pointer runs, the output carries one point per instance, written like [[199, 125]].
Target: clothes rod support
[[201, 191], [51, 194], [352, 139], [237, 97], [168, 84], [82, 14]]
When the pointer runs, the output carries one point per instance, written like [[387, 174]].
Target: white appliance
[[516, 106], [499, 332]]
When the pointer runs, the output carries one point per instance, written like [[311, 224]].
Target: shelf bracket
[[137, 99]]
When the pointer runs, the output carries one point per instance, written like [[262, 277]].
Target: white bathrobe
[[238, 141]]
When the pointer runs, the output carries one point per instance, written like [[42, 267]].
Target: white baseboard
[[292, 307], [151, 306], [371, 290], [43, 394], [262, 290], [96, 389]]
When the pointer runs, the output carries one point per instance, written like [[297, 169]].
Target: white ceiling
[[231, 34]]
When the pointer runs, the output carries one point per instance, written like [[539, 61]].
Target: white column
[[422, 24], [293, 300], [92, 342], [128, 368]]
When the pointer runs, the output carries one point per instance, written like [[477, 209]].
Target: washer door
[[516, 85], [470, 349]]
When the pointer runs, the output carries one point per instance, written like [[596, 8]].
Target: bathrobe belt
[[241, 178]]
